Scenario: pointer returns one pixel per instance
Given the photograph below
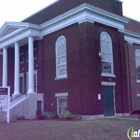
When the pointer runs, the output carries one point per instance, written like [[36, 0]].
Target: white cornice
[[131, 37], [83, 13], [80, 14], [20, 34]]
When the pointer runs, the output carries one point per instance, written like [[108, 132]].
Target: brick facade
[[84, 69], [84, 81]]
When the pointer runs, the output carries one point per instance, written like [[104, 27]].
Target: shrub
[[21, 118], [65, 114], [49, 115]]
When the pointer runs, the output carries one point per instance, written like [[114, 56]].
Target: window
[[21, 83], [21, 58], [137, 59], [27, 56], [106, 54], [35, 81], [62, 102], [35, 54], [61, 60]]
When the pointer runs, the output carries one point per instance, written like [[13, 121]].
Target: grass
[[103, 129]]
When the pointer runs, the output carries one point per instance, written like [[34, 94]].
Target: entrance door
[[108, 101], [21, 85]]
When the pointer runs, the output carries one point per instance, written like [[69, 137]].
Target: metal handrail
[[20, 95], [17, 97]]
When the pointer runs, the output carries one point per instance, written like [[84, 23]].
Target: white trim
[[138, 81], [25, 29], [62, 77], [60, 38], [122, 114], [21, 75], [138, 95], [109, 52], [27, 78], [108, 75], [61, 94], [108, 83], [119, 1], [131, 37], [82, 13]]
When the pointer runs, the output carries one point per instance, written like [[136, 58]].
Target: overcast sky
[[17, 10]]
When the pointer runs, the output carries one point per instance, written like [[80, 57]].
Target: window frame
[[109, 53], [35, 57], [21, 54], [27, 81], [63, 56], [58, 96], [137, 56], [21, 75]]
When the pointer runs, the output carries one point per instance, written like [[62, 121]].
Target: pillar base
[[30, 91], [16, 93]]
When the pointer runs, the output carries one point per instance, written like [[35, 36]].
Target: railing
[[22, 94], [18, 96]]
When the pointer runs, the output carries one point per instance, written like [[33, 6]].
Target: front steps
[[22, 106]]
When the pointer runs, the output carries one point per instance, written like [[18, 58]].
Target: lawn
[[101, 129]]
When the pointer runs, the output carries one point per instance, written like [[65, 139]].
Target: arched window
[[106, 54], [61, 57], [137, 59]]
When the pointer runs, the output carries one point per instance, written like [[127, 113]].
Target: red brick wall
[[84, 69], [134, 86], [121, 89]]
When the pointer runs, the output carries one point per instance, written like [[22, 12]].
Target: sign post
[[5, 100]]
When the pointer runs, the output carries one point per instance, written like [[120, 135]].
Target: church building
[[78, 55]]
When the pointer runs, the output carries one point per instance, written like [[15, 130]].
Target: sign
[[3, 96], [3, 91], [5, 100]]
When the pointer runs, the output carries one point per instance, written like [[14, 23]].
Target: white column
[[16, 80], [4, 76], [31, 64]]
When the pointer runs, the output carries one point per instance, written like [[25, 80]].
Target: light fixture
[[99, 54]]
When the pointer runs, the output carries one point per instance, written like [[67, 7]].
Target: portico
[[16, 35]]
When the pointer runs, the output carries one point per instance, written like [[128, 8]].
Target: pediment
[[11, 27]]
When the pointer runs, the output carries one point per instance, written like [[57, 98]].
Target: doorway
[[21, 84], [108, 101]]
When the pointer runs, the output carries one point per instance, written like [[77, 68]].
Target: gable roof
[[61, 6]]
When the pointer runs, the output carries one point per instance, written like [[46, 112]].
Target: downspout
[[129, 79]]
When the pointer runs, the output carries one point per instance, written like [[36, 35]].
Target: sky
[[17, 10]]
